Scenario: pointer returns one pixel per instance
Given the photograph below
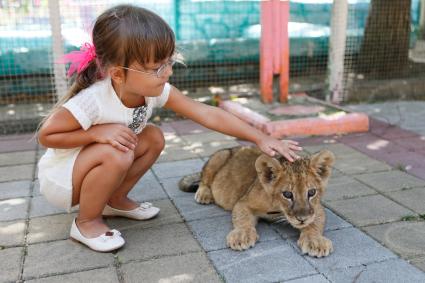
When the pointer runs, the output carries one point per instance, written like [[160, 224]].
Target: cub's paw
[[204, 195], [242, 239], [315, 246]]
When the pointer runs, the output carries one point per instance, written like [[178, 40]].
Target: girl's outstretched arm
[[219, 120]]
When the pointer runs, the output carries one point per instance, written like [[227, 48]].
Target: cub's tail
[[190, 183]]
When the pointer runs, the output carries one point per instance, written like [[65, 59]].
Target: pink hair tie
[[79, 59]]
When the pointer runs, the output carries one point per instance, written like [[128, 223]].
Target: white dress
[[97, 104]]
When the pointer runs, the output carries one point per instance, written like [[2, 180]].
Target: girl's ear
[[117, 74]]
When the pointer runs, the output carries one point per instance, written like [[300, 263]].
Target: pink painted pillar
[[274, 48]]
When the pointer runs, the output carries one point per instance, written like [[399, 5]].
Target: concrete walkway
[[375, 200]]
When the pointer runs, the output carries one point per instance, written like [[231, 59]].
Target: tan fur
[[251, 185]]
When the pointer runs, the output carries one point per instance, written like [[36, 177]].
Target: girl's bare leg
[[150, 144], [98, 171]]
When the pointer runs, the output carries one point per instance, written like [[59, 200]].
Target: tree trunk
[[385, 49]]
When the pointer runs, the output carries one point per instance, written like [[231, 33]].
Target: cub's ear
[[321, 162], [268, 169]]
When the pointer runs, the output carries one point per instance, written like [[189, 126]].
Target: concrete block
[[191, 210], [147, 189], [211, 233], [66, 256], [412, 198], [390, 181], [14, 189], [157, 242], [13, 209], [12, 233], [270, 261], [10, 260], [49, 228], [191, 267], [394, 270], [406, 238], [351, 248], [177, 168], [100, 275], [345, 187], [368, 210], [16, 173]]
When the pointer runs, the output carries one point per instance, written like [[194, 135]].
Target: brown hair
[[122, 35]]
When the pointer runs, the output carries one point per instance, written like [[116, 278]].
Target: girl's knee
[[117, 158], [155, 136]]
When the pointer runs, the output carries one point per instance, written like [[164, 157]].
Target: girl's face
[[147, 80]]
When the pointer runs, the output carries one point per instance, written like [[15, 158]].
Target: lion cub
[[253, 185]]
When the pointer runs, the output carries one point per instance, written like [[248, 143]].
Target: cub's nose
[[301, 219]]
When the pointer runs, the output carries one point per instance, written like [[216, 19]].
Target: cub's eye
[[287, 194], [311, 192]]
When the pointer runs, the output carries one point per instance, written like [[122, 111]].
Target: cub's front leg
[[312, 241], [244, 235]]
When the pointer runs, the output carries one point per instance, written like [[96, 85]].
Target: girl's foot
[[105, 242], [124, 203], [91, 228], [144, 211]]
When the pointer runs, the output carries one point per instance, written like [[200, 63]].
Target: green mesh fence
[[219, 40]]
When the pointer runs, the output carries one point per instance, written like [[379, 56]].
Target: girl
[[99, 144]]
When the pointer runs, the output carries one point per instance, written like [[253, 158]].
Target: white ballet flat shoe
[[106, 242], [144, 212]]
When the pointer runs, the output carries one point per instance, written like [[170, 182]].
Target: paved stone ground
[[378, 180]]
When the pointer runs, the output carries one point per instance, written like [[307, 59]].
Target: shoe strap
[[145, 205], [109, 235]]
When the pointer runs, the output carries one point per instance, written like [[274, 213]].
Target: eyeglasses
[[155, 72]]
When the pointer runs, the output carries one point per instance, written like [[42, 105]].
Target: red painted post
[[274, 48]]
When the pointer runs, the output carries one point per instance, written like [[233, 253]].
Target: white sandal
[[106, 242], [144, 212]]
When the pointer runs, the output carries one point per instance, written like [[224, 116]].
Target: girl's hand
[[286, 148], [117, 135]]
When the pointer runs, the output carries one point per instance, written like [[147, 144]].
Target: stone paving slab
[[192, 267], [17, 143], [412, 198], [310, 279], [165, 240], [16, 173], [191, 210], [170, 185], [368, 210], [394, 270], [13, 209], [206, 149], [390, 181], [405, 238], [419, 262], [351, 248], [211, 232], [15, 189], [99, 275], [12, 233], [10, 264], [41, 207], [177, 168], [58, 257], [147, 189], [49, 228], [17, 158], [270, 261], [345, 187]]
